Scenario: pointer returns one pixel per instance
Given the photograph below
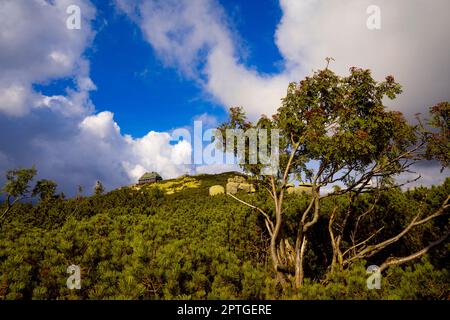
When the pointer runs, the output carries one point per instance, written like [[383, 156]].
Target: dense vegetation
[[145, 244]]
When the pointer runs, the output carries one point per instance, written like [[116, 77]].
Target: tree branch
[[9, 205], [358, 220], [362, 242], [373, 249], [397, 261], [269, 223]]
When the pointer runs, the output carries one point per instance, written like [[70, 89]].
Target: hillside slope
[[135, 244], [172, 240]]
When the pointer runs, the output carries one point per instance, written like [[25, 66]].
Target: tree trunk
[[300, 248], [274, 239]]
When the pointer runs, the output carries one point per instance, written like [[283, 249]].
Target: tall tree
[[334, 131], [438, 136], [80, 192], [17, 187], [45, 189], [98, 188]]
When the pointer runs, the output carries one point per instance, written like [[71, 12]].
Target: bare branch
[[316, 213], [288, 166], [397, 261], [358, 220], [362, 242], [9, 205], [377, 170], [373, 249]]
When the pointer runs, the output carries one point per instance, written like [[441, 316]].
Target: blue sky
[[99, 103], [134, 84], [143, 93]]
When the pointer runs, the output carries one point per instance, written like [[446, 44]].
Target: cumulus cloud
[[235, 85], [410, 44], [36, 47], [14, 99], [93, 148], [126, 155], [195, 37], [61, 134]]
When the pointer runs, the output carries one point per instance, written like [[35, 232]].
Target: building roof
[[150, 175]]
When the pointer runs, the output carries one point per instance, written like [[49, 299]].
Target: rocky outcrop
[[246, 187], [298, 190], [239, 183], [215, 190], [232, 187], [237, 179]]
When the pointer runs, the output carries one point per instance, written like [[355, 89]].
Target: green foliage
[[98, 188], [342, 118], [438, 146], [16, 188], [341, 122], [336, 130], [17, 182], [144, 244], [45, 189], [422, 281], [135, 244]]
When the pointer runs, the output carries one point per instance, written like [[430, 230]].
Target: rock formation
[[215, 190], [239, 183]]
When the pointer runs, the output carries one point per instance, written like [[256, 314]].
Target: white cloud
[[195, 37], [36, 47], [100, 126], [78, 151], [410, 44], [235, 85], [14, 99], [155, 152], [208, 121], [132, 157], [61, 134]]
